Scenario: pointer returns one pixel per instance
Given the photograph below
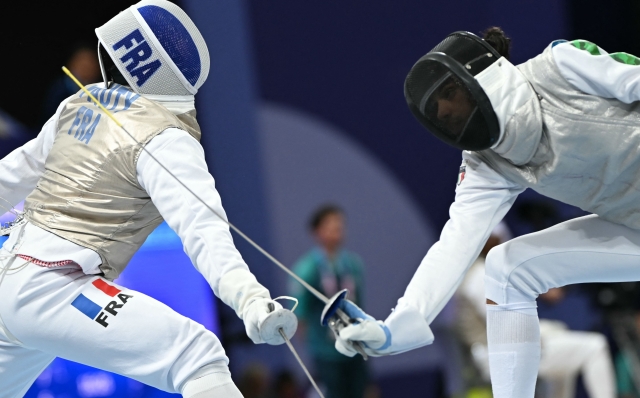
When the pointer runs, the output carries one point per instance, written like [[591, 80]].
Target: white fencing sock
[[213, 381], [513, 332]]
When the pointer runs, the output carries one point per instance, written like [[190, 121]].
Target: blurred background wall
[[303, 106]]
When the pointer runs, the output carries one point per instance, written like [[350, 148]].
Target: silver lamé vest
[[581, 149], [89, 193]]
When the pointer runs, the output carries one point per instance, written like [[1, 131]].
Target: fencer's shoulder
[[63, 105], [478, 166], [577, 45], [116, 98], [558, 42], [472, 159], [575, 51], [78, 94], [482, 162]]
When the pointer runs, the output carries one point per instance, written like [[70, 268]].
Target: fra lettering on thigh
[[112, 308], [95, 311]]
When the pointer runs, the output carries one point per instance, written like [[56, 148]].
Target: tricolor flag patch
[[106, 288], [88, 304], [462, 172]]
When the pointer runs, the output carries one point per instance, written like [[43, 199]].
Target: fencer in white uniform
[[93, 195], [565, 353], [566, 124]]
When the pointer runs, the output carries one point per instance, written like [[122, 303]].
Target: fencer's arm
[[482, 200], [596, 72], [21, 169], [205, 237]]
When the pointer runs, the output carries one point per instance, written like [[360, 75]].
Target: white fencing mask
[[157, 49]]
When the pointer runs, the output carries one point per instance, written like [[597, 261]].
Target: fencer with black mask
[[565, 124], [93, 195]]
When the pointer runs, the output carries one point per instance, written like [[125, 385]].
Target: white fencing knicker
[[62, 312], [583, 250]]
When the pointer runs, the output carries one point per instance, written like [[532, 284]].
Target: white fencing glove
[[263, 317], [373, 335], [405, 329]]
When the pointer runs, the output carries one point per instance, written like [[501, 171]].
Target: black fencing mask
[[445, 97]]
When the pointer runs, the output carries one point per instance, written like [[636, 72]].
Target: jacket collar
[[518, 110]]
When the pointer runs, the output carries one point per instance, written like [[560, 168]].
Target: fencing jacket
[[576, 138], [206, 238]]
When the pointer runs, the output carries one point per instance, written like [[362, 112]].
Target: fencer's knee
[[508, 278]]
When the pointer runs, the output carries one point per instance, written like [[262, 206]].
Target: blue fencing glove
[[405, 329], [374, 334]]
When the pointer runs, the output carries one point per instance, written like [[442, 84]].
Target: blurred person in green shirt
[[330, 268]]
